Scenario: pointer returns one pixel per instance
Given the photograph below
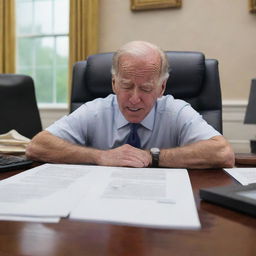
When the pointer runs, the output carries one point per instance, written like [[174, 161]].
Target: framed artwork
[[252, 5], [140, 5]]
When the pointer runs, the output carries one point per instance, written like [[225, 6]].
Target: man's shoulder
[[97, 107], [169, 103], [102, 103]]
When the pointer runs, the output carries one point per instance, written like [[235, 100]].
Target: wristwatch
[[155, 152]]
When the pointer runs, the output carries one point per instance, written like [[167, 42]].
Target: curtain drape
[[83, 31], [7, 36]]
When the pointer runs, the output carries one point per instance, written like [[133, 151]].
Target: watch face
[[155, 150]]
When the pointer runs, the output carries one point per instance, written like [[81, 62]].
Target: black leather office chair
[[18, 108], [192, 78]]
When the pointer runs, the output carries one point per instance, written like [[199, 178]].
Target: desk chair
[[18, 108], [192, 78]]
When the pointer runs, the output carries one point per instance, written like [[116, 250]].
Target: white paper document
[[245, 176], [142, 197], [133, 196], [45, 191]]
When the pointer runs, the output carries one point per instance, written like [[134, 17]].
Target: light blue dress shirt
[[100, 124]]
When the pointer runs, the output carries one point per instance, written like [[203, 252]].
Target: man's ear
[[163, 86], [113, 84]]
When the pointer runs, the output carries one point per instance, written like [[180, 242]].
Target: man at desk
[[137, 126]]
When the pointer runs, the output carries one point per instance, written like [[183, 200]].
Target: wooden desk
[[224, 232], [245, 159]]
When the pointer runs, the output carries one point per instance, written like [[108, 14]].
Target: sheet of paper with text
[[245, 176], [142, 197]]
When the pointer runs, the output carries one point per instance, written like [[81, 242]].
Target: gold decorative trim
[[83, 31], [252, 6], [7, 36], [140, 5]]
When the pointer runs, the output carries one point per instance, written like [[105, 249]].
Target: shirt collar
[[148, 121], [120, 119]]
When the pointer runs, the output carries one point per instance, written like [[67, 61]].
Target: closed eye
[[146, 89]]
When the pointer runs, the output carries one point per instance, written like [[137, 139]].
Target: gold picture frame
[[140, 5], [252, 6]]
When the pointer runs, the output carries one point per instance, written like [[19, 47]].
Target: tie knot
[[134, 126]]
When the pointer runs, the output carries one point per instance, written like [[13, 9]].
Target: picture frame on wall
[[140, 5], [252, 6]]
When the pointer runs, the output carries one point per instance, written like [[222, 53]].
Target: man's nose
[[135, 96]]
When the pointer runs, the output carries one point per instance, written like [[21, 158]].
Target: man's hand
[[125, 155], [49, 148]]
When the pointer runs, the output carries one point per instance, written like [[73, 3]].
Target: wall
[[222, 29]]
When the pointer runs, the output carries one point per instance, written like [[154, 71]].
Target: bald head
[[144, 51]]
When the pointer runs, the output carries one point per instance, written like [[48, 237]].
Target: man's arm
[[212, 153], [49, 148]]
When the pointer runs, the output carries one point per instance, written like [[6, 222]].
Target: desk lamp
[[250, 115]]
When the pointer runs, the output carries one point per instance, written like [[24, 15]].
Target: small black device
[[11, 162], [236, 197]]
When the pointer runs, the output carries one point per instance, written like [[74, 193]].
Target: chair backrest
[[192, 78], [18, 107]]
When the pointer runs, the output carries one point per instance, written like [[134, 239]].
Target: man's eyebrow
[[148, 84], [123, 80]]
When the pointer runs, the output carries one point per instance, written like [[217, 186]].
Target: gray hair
[[140, 49]]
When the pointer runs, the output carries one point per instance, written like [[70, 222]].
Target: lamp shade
[[250, 115]]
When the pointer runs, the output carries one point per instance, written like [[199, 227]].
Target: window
[[42, 46]]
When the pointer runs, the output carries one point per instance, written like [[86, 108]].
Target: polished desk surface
[[223, 232]]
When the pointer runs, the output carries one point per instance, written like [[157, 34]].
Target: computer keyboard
[[11, 162]]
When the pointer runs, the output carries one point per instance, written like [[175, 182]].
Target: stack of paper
[[13, 142], [132, 196]]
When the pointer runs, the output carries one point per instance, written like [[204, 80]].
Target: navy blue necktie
[[134, 139]]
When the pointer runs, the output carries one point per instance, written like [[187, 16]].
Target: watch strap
[[155, 152]]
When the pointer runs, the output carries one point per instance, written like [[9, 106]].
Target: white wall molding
[[233, 111], [234, 103], [49, 114], [234, 130]]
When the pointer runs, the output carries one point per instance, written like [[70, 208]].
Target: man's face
[[136, 86]]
